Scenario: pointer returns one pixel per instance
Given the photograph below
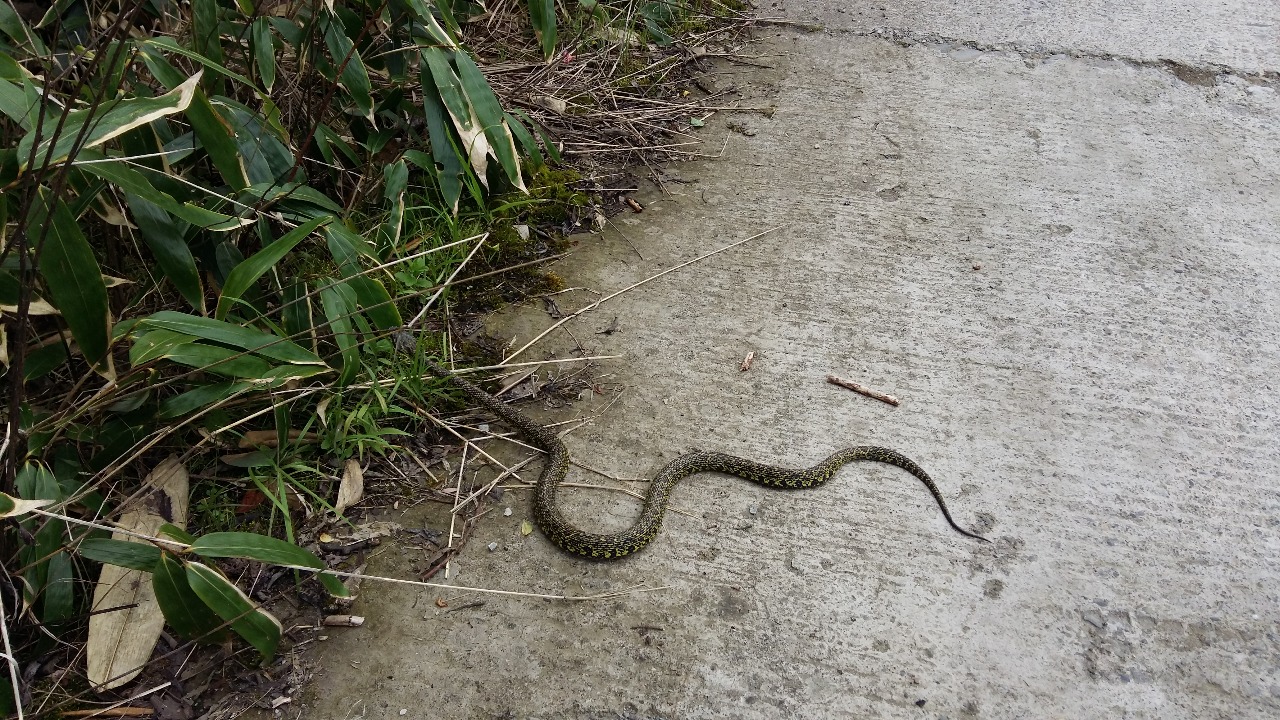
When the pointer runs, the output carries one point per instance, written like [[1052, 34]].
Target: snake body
[[611, 546]]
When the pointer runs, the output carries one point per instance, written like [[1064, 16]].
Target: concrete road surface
[[1053, 231]]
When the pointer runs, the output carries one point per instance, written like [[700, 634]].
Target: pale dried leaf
[[351, 490], [122, 641]]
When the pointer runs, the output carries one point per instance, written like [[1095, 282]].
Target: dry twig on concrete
[[863, 390]]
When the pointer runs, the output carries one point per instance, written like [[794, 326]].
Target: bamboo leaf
[[247, 273], [252, 546], [543, 15], [132, 555], [211, 63], [165, 239], [218, 139], [133, 181], [447, 166], [489, 111], [423, 14], [265, 344], [117, 119], [14, 507], [250, 622], [526, 140], [548, 142], [153, 345], [334, 585], [218, 360], [13, 26], [205, 36], [200, 397], [14, 104], [177, 533], [59, 590], [339, 304], [183, 609], [74, 280], [354, 77], [264, 52], [10, 69]]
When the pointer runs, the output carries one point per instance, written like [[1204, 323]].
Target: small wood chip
[[635, 206], [342, 620], [863, 390], [746, 361]]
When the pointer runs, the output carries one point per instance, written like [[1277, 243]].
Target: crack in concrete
[[1206, 75]]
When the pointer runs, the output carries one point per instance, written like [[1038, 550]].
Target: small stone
[[506, 512], [753, 509], [404, 711], [493, 546], [921, 702]]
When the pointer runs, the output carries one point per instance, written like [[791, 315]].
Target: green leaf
[[154, 345], [164, 237], [177, 533], [119, 118], [247, 273], [327, 140], [489, 111], [548, 142], [42, 360], [205, 37], [264, 344], [395, 178], [183, 609], [334, 585], [543, 14], [447, 165], [218, 360], [217, 139], [133, 555], [354, 77], [200, 397], [133, 181], [59, 589], [13, 26], [14, 104], [271, 192], [10, 69], [526, 140], [13, 507], [210, 62], [73, 279], [250, 622], [252, 546], [424, 15], [264, 52], [339, 305], [266, 160]]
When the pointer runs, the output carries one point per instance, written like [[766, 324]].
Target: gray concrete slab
[[1239, 34], [1066, 268]]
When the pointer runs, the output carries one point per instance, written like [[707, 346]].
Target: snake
[[568, 537]]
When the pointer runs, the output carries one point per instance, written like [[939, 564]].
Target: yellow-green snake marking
[[609, 547]]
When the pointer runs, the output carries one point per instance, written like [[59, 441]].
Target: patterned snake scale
[[616, 545]]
